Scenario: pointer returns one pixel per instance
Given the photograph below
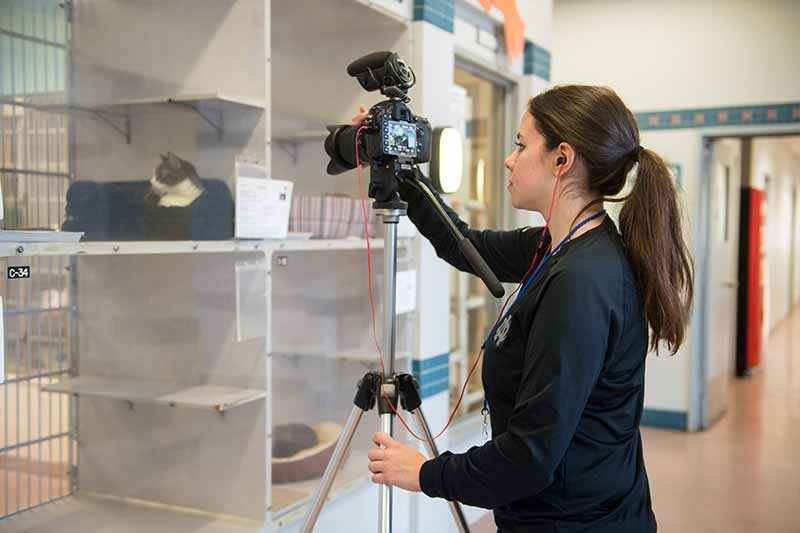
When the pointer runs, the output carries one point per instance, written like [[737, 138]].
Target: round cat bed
[[311, 462]]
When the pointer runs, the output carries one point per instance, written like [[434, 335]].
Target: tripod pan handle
[[480, 267]]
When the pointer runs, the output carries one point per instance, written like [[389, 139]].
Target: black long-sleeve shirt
[[564, 378]]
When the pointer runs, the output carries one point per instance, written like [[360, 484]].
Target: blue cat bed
[[127, 211]]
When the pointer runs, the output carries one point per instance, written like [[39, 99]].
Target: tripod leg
[[385, 491], [455, 507], [332, 469]]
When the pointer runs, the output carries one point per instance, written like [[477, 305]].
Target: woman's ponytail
[[604, 134], [650, 223]]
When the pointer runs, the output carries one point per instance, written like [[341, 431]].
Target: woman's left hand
[[396, 464]]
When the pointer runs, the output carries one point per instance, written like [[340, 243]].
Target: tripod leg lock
[[409, 392], [368, 389], [398, 386]]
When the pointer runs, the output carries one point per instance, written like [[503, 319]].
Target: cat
[[175, 182]]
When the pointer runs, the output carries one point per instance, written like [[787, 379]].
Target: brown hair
[[603, 133]]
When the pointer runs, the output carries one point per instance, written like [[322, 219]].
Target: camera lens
[[340, 145]]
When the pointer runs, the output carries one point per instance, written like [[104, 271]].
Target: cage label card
[[19, 272]]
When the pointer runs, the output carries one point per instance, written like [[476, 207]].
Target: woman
[[563, 371]]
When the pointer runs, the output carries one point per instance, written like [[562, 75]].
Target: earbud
[[562, 160]]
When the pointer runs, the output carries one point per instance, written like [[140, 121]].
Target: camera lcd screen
[[399, 138]]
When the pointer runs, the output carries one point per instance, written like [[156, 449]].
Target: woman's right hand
[[357, 120], [362, 115]]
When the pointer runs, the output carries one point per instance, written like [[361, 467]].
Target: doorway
[[724, 170], [481, 202], [747, 259]]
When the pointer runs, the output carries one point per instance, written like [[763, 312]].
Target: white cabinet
[[148, 381], [183, 369]]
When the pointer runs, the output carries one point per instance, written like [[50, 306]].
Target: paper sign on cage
[[262, 208]]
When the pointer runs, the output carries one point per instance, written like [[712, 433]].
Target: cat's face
[[171, 172]]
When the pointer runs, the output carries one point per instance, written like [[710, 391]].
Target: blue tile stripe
[[435, 374], [662, 418], [536, 60], [527, 58], [418, 365], [432, 374], [431, 389], [755, 115], [440, 13], [469, 129]]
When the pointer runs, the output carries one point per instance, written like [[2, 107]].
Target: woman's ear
[[565, 157]]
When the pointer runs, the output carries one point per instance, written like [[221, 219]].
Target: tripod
[[402, 387]]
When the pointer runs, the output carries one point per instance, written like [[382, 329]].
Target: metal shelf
[[117, 114], [208, 98], [289, 143], [209, 397], [30, 249], [92, 512], [342, 356], [301, 136]]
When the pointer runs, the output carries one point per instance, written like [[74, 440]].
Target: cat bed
[[127, 211], [308, 463]]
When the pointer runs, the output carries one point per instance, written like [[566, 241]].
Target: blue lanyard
[[541, 264], [554, 251]]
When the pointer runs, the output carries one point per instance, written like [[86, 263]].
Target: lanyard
[[554, 251], [541, 264]]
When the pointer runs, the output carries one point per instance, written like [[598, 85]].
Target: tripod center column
[[391, 214], [391, 217]]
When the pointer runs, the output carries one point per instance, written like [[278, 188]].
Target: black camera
[[391, 138]]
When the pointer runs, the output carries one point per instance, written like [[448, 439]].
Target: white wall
[[662, 54], [538, 17], [667, 378], [673, 54], [773, 158]]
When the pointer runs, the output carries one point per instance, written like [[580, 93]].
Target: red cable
[[502, 310], [369, 285]]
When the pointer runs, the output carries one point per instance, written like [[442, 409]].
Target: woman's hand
[[358, 119], [396, 464], [362, 114]]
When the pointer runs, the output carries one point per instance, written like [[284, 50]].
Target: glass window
[[480, 202]]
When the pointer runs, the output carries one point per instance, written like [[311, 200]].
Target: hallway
[[742, 475]]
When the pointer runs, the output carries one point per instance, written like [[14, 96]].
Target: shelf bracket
[[290, 148], [124, 129], [216, 124]]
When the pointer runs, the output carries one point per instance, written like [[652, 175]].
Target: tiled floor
[[742, 475]]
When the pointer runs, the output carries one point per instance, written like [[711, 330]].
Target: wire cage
[[37, 430]]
